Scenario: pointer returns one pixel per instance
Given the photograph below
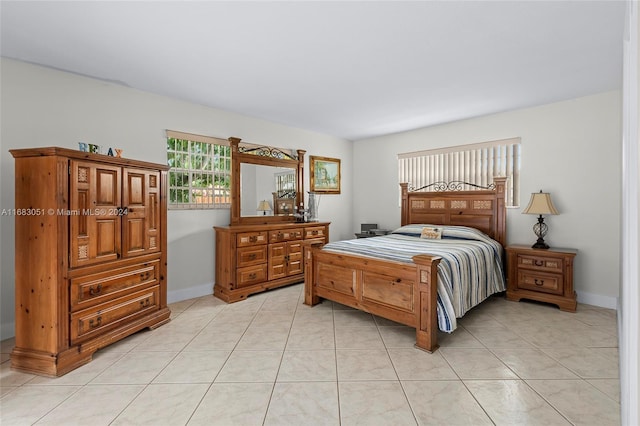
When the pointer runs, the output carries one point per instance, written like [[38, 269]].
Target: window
[[200, 174], [285, 184], [476, 164]]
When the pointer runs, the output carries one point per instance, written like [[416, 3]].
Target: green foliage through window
[[200, 174]]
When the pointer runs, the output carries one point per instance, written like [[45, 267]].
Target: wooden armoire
[[91, 255]]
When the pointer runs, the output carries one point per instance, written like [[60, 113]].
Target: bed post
[[310, 297], [427, 286], [404, 215], [501, 210]]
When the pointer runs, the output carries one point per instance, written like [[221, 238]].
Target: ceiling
[[350, 69]]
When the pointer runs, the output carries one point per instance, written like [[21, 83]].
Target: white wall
[[43, 107], [628, 316], [571, 149]]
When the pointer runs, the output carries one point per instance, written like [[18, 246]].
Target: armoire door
[[95, 199], [141, 212]]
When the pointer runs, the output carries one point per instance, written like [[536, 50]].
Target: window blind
[[475, 163]]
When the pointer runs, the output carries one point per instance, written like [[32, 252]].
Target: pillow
[[410, 230], [431, 233]]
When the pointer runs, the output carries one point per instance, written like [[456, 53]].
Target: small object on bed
[[431, 233]]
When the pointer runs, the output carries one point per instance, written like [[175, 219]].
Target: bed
[[384, 277]]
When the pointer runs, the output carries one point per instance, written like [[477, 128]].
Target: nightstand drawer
[[537, 281], [540, 263]]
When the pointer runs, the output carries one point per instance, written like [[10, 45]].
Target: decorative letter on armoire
[[91, 255]]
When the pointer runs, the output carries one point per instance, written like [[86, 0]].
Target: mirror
[[267, 190], [266, 183]]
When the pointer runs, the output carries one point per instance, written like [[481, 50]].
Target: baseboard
[[189, 293], [597, 300], [7, 330]]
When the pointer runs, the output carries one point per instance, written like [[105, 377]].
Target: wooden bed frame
[[405, 292]]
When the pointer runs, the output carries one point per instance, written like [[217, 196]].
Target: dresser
[[255, 258], [91, 263], [544, 275]]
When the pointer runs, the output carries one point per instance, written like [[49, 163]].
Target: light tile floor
[[270, 360]]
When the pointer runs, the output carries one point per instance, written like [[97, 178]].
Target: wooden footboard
[[401, 292]]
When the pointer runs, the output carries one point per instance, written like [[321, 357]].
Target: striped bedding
[[469, 272]]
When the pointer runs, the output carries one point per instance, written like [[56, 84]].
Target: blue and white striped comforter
[[469, 272]]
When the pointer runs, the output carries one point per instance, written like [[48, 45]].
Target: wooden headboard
[[481, 209]]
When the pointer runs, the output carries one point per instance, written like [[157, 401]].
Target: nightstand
[[542, 275], [372, 233]]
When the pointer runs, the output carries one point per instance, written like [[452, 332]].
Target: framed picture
[[325, 175]]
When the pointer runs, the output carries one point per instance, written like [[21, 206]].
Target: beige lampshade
[[540, 203], [263, 206]]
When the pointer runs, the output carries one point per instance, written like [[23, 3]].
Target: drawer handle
[[253, 239], [144, 276], [94, 291], [538, 282], [538, 262], [96, 323], [252, 256], [252, 276], [144, 303], [314, 232], [280, 236]]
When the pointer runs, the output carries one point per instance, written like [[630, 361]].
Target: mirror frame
[[265, 156]]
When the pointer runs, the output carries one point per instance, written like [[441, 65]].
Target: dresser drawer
[[101, 318], [540, 281], [251, 275], [540, 263], [314, 232], [285, 235], [255, 255], [93, 289], [251, 238]]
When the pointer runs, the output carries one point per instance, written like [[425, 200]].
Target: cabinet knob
[[538, 282], [538, 262]]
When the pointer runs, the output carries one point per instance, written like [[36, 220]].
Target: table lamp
[[540, 204]]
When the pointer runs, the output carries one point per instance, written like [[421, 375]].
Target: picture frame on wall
[[324, 174]]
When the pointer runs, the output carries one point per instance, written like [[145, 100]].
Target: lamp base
[[540, 229], [540, 244]]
